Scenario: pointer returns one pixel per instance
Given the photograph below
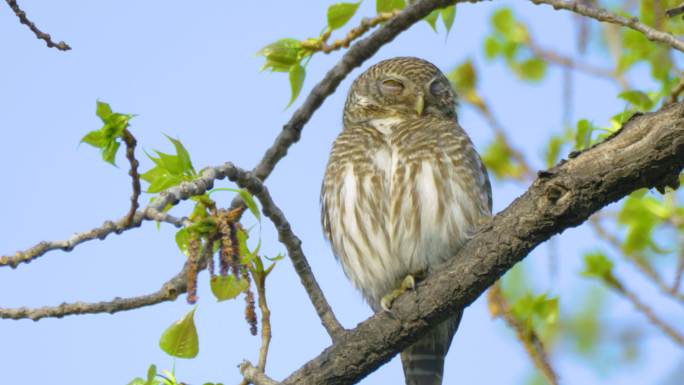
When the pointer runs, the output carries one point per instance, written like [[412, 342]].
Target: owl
[[403, 190]]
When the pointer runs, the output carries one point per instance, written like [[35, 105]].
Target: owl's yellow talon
[[409, 283]]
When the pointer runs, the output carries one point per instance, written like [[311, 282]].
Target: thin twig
[[130, 142], [499, 307], [254, 376], [260, 283], [366, 24], [638, 261], [483, 108], [107, 228], [679, 272], [248, 181], [62, 46], [169, 291], [601, 14], [677, 90], [615, 284], [569, 62]]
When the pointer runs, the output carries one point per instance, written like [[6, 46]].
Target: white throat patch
[[384, 125]]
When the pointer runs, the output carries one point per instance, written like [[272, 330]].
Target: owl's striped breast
[[397, 204]]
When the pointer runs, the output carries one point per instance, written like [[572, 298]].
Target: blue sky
[[190, 71]]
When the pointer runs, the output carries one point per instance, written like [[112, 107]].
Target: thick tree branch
[[601, 14], [647, 152], [23, 19]]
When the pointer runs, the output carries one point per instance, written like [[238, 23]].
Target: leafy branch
[[609, 17], [597, 265], [548, 309]]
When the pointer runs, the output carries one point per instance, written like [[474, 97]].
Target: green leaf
[[151, 374], [503, 21], [103, 110], [251, 204], [168, 378], [553, 150], [583, 135], [183, 156], [382, 6], [242, 237], [464, 77], [95, 138], [431, 19], [531, 69], [183, 240], [246, 197], [297, 73], [163, 183], [109, 151], [339, 14], [597, 265], [276, 258], [497, 158], [227, 287], [641, 214], [492, 47], [107, 138], [536, 310], [637, 98], [169, 170], [281, 55], [448, 16], [180, 339]]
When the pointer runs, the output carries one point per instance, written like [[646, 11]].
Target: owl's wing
[[354, 207], [470, 166]]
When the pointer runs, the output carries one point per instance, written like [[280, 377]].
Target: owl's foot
[[409, 283]]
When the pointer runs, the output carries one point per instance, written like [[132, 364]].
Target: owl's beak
[[420, 104]]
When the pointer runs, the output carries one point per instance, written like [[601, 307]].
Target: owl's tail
[[423, 361]]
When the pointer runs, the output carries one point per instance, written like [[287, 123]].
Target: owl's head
[[402, 87]]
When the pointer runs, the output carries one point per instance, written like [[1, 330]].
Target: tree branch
[[499, 307], [250, 182], [618, 286], [130, 142], [647, 152], [23, 19], [574, 64], [254, 376], [601, 14], [168, 292], [151, 212], [639, 261]]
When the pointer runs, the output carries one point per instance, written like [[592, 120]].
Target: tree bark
[[647, 152]]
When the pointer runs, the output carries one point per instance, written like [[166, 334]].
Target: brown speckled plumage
[[403, 189]]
